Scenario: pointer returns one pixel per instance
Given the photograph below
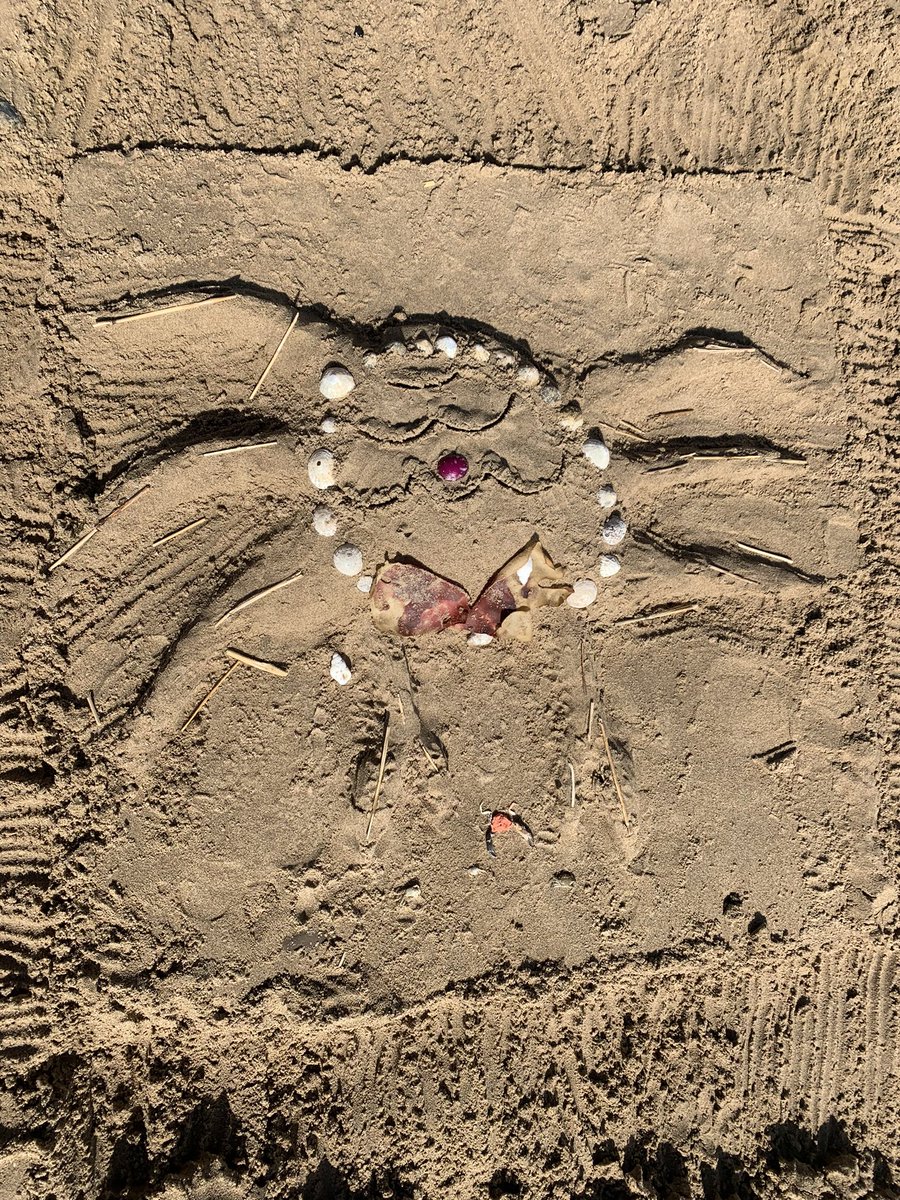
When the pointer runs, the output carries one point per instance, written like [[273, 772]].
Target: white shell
[[364, 583], [595, 450], [528, 377], [609, 566], [340, 669], [584, 593], [524, 572], [550, 393], [396, 348], [423, 344], [614, 530], [321, 469], [324, 522], [480, 353], [447, 345], [336, 383], [606, 496], [328, 425], [571, 419], [348, 559], [370, 360], [479, 639], [504, 359]]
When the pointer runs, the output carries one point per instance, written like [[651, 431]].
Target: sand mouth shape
[[409, 600]]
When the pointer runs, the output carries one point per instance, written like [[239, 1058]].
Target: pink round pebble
[[453, 467]]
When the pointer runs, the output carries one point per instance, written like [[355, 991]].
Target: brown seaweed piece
[[410, 600]]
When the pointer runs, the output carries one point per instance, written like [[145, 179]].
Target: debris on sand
[[504, 822]]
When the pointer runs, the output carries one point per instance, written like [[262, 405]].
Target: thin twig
[[400, 706], [732, 574], [93, 707], [671, 412], [384, 750], [271, 362], [125, 503], [590, 728], [238, 449], [612, 769], [215, 687], [261, 664], [658, 614], [82, 541], [177, 533], [255, 596], [160, 312], [572, 777], [768, 554]]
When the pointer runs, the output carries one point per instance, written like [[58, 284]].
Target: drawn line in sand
[[86, 537], [254, 597], [272, 360], [261, 664], [161, 312], [212, 691], [177, 533], [381, 765]]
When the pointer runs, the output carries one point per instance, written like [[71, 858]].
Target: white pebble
[[480, 353], [324, 522], [364, 583], [348, 559], [606, 496], [528, 377], [336, 383], [396, 348], [614, 530], [321, 469], [340, 669], [596, 451], [583, 594], [328, 425], [479, 639], [370, 360], [550, 393], [447, 345], [609, 566], [423, 344]]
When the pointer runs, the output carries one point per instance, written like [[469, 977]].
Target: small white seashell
[[606, 496], [595, 450], [480, 353], [570, 418], [370, 360], [396, 348], [321, 469], [504, 359], [328, 425], [614, 530], [609, 566], [340, 669], [423, 344], [550, 393], [479, 639], [324, 522], [336, 383], [364, 583], [413, 892], [524, 572], [528, 377], [474, 871], [583, 594], [447, 345], [348, 559]]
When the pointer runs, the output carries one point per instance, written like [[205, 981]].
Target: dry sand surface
[[304, 901]]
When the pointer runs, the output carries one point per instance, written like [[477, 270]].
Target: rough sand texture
[[252, 942]]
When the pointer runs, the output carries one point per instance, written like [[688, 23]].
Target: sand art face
[[365, 663]]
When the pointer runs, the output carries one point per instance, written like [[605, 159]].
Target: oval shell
[[321, 469], [584, 593], [336, 383], [340, 669], [595, 450], [614, 530], [609, 566], [324, 522], [348, 559]]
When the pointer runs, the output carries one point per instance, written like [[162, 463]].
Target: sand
[[254, 941]]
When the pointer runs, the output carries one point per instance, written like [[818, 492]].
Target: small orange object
[[500, 823]]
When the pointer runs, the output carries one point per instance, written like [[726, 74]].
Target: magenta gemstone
[[452, 468]]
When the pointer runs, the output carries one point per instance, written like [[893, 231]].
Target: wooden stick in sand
[[659, 613], [212, 691], [261, 664], [164, 311], [384, 750], [278, 349], [256, 596], [770, 555], [177, 533], [239, 449], [86, 537], [612, 768], [572, 778], [93, 707]]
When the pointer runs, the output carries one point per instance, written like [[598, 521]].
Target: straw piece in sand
[[260, 595], [770, 555], [177, 533], [239, 449], [82, 541], [161, 312], [384, 750], [658, 614], [261, 664], [212, 691], [612, 769], [271, 362], [93, 707]]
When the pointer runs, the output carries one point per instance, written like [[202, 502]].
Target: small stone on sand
[[364, 583], [328, 425], [480, 353], [479, 639], [528, 376]]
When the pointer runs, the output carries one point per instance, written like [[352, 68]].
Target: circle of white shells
[[336, 382]]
